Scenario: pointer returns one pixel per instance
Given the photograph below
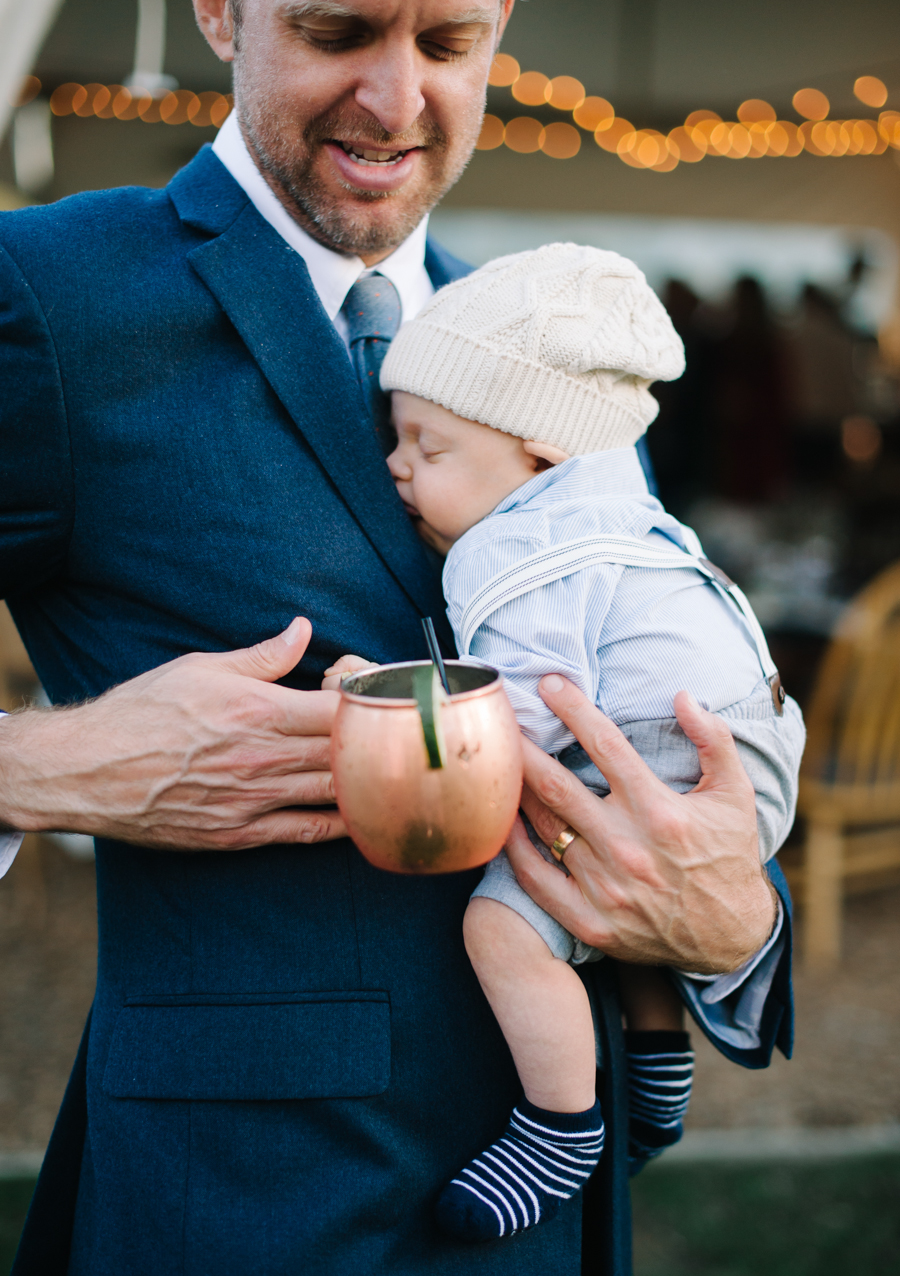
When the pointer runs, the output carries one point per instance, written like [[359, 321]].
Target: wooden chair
[[16, 673], [850, 777]]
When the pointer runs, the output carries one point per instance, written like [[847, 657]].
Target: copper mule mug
[[426, 783]]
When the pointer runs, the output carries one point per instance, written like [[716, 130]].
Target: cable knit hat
[[558, 345]]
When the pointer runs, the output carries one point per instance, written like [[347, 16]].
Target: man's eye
[[331, 38], [442, 52]]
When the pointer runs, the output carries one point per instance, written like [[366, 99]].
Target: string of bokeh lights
[[115, 101], [756, 133]]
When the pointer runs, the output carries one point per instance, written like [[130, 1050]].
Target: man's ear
[[215, 21], [506, 8], [546, 452]]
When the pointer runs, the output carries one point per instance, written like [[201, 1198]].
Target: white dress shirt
[[9, 847]]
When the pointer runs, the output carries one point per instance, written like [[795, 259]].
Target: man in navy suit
[[288, 1054]]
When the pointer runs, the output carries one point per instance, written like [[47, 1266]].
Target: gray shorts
[[770, 748], [500, 883]]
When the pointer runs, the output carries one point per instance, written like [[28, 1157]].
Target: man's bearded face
[[362, 115]]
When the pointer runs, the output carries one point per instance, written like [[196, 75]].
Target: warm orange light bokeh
[[523, 134], [66, 98], [701, 117], [565, 93], [647, 148], [860, 439], [561, 141], [491, 134], [531, 88], [29, 88], [609, 136], [795, 138], [720, 138], [756, 111], [776, 139], [105, 109], [759, 138], [889, 128], [870, 90], [220, 112], [757, 133], [177, 107], [812, 143], [811, 104], [686, 146], [84, 106], [504, 71], [593, 112]]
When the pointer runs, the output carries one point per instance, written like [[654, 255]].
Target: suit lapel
[[264, 288]]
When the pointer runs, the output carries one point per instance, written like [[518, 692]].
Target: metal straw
[[435, 651]]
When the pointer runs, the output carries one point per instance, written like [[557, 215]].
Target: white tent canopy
[[23, 26]]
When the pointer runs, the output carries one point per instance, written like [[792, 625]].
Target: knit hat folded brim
[[514, 395]]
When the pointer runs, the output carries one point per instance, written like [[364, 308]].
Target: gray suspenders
[[553, 564]]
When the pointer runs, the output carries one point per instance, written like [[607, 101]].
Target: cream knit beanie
[[557, 345]]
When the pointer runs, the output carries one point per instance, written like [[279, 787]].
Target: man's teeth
[[381, 158]]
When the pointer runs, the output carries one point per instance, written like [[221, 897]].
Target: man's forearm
[[204, 753]]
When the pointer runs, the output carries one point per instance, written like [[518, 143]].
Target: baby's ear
[[545, 452]]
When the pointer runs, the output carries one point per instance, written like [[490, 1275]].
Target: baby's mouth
[[369, 156]]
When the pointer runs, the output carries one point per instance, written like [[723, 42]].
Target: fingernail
[[552, 682], [691, 701], [291, 634]]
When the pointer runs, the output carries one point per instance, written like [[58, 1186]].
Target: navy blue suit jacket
[[288, 1052]]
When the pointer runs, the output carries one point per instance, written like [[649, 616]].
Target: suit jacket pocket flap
[[315, 1046]]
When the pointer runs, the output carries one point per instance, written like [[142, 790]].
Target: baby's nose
[[399, 471]]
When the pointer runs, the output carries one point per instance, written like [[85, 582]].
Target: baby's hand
[[339, 670]]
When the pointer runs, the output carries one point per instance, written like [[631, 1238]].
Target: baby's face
[[450, 472]]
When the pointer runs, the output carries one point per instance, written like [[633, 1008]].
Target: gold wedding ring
[[562, 843]]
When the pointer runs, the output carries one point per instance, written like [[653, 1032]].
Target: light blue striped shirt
[[628, 637]]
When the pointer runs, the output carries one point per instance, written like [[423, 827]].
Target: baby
[[518, 395]]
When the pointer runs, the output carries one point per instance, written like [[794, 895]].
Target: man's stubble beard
[[343, 226]]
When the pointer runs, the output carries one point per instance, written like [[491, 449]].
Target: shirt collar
[[615, 473], [332, 274]]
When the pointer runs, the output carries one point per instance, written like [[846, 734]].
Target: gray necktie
[[372, 311]]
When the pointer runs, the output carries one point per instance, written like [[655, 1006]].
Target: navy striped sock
[[660, 1073], [523, 1178]]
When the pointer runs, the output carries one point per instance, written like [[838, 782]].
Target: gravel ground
[[846, 1064], [846, 1069]]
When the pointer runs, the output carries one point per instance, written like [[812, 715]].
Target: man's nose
[[391, 88]]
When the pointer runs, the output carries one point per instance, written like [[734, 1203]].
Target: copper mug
[[420, 796]]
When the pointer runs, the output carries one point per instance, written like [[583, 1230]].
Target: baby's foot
[[523, 1178], [660, 1073]]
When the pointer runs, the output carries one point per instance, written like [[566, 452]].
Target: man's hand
[[656, 877], [202, 753]]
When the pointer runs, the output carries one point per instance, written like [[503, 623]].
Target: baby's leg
[[555, 1137], [540, 1004], [660, 1062]]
